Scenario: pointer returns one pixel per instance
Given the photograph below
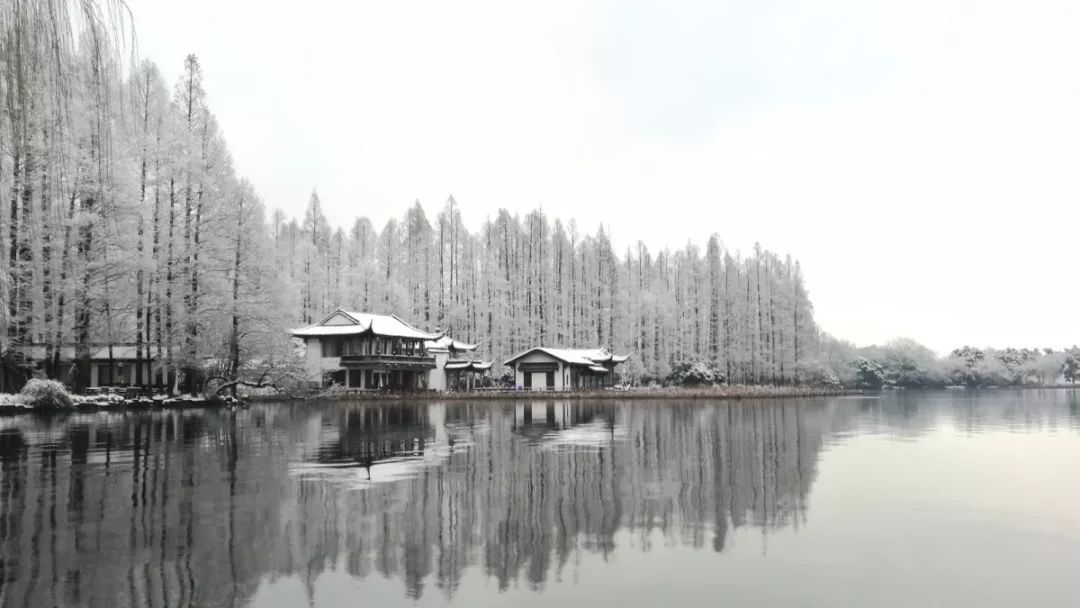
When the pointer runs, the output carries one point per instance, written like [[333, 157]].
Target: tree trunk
[[234, 338]]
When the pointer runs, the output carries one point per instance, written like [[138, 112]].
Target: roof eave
[[430, 336], [511, 360]]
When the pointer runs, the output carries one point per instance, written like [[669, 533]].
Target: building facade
[[107, 366], [455, 367], [117, 367], [563, 369], [368, 351]]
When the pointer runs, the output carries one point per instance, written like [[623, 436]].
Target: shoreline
[[116, 403], [663, 394], [113, 403]]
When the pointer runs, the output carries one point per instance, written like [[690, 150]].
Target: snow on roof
[[448, 343], [98, 352], [574, 356], [596, 355], [559, 353], [598, 368], [37, 352], [391, 325], [363, 322], [478, 366], [313, 331]]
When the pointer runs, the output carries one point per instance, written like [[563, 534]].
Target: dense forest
[[123, 219], [520, 282], [124, 222]]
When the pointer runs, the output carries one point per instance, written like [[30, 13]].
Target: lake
[[903, 499]]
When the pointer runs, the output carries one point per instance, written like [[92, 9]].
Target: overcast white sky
[[920, 157]]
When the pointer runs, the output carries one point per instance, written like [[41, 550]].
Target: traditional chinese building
[[557, 369], [108, 366], [368, 351], [117, 366], [455, 367]]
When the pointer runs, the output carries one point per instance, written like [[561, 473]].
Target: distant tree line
[[908, 364]]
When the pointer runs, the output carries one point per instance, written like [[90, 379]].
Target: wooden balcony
[[389, 362]]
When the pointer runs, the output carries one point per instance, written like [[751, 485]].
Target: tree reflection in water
[[192, 508]]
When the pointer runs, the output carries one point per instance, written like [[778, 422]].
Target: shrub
[[868, 373], [695, 374], [46, 394], [504, 380], [815, 372]]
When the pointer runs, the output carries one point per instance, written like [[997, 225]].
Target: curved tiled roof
[[448, 343], [476, 366], [381, 325], [574, 356]]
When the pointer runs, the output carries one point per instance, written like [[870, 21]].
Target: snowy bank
[[659, 393], [18, 404]]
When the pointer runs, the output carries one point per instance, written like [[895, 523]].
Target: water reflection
[[201, 508]]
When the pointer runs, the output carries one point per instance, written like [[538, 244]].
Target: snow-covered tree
[[124, 222]]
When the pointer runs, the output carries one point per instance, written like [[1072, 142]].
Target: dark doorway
[[355, 378]]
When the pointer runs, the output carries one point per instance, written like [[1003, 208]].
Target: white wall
[[315, 363], [539, 380], [437, 376]]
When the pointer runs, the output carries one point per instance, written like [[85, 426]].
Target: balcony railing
[[389, 360]]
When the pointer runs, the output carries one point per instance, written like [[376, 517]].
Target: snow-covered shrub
[[45, 394], [868, 373], [1071, 366], [816, 372], [697, 373]]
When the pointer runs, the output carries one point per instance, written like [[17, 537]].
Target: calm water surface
[[928, 499]]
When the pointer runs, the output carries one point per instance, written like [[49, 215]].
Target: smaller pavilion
[[455, 367]]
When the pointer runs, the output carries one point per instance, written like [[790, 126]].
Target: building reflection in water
[[200, 508]]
